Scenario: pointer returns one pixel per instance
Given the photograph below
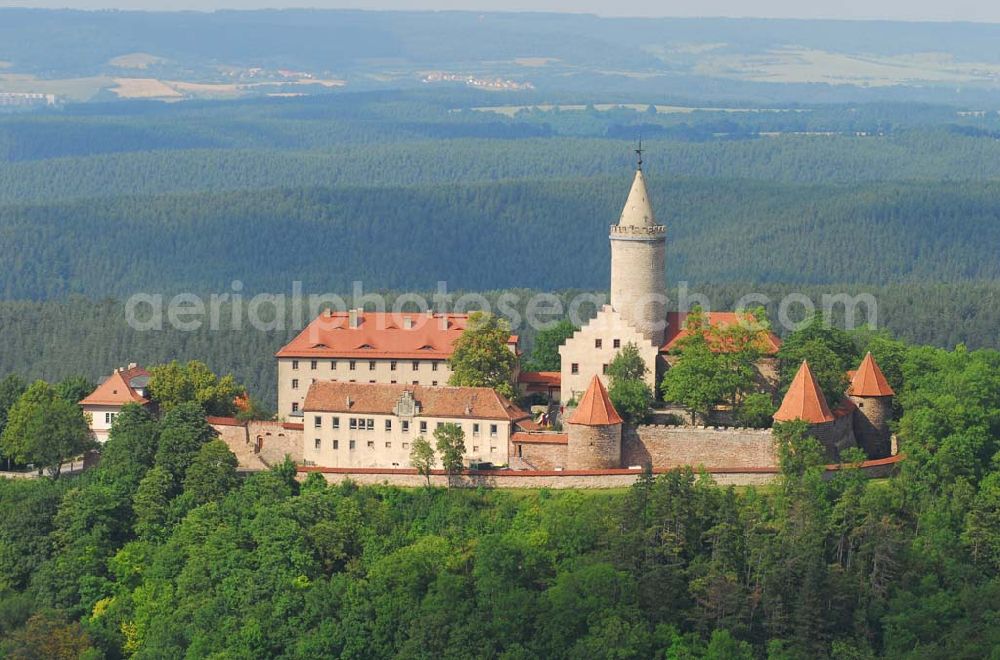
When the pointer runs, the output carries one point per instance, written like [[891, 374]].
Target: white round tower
[[638, 260]]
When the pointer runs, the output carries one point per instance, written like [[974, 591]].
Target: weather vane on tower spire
[[638, 152]]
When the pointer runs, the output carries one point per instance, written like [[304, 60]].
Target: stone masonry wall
[[835, 436], [594, 447], [536, 456], [672, 446], [871, 425]]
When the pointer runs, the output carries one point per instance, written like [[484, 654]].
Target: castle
[[355, 388]]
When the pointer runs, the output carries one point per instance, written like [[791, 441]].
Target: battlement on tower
[[633, 232]]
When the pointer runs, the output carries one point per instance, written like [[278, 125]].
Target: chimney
[[353, 318], [349, 402], [328, 312], [407, 323], [430, 313], [132, 365]]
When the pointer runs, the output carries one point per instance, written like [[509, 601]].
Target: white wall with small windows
[[100, 419], [591, 348], [369, 440]]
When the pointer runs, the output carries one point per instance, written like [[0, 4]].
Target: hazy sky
[[909, 10]]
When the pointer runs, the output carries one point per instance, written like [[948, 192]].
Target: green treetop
[[481, 356], [627, 389], [545, 353], [45, 429], [422, 457], [450, 442], [175, 383]]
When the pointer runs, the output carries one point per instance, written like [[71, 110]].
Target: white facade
[[592, 348], [379, 440]]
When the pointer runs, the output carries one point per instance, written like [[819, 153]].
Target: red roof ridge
[[595, 408], [392, 335], [804, 400], [869, 380]]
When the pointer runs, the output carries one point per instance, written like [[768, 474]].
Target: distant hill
[[105, 55]]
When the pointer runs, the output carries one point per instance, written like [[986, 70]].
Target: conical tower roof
[[638, 212], [595, 407], [804, 400], [869, 380]]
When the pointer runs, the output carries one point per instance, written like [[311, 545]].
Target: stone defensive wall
[[666, 447], [622, 478]]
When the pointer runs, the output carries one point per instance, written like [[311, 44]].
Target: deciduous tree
[[422, 457], [481, 356], [450, 442]]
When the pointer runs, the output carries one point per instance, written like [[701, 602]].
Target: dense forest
[[164, 550], [401, 190]]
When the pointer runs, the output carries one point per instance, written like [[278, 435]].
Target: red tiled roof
[[804, 400], [553, 378], [223, 421], [676, 329], [381, 399], [116, 391], [384, 335], [869, 380], [595, 407], [529, 438]]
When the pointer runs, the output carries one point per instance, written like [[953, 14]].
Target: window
[[618, 343], [316, 443], [406, 445], [416, 365], [388, 425], [440, 424], [604, 369], [493, 430], [388, 445], [493, 450], [295, 383], [371, 365], [371, 424], [574, 368], [423, 427], [392, 382], [416, 382], [333, 365], [598, 343], [336, 422], [295, 365], [295, 407], [354, 423], [336, 444], [434, 383], [352, 365], [371, 382], [475, 429], [317, 421], [109, 418], [406, 426], [392, 365], [371, 444], [350, 445], [434, 366], [475, 449], [313, 364]]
